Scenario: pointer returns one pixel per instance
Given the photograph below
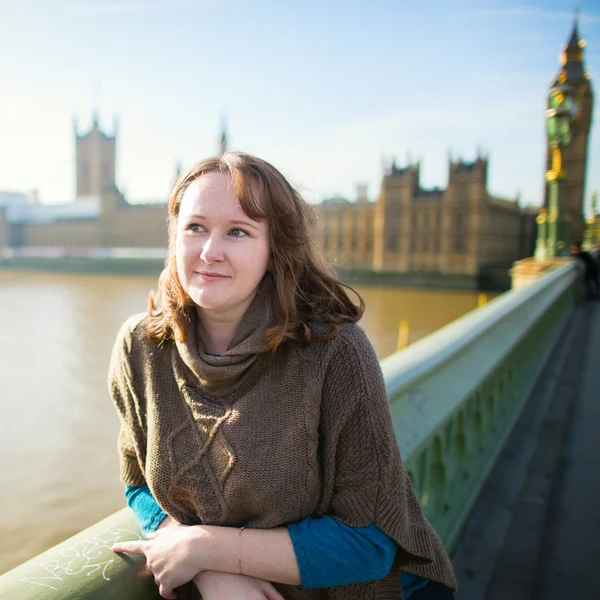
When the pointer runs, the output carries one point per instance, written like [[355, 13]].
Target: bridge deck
[[534, 532]]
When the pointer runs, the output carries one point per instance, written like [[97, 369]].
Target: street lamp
[[553, 227]]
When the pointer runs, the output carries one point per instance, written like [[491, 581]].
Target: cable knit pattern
[[311, 423], [261, 440]]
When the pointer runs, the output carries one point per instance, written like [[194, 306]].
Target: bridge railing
[[454, 397], [456, 394]]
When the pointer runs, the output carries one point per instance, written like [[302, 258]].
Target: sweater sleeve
[[131, 441], [365, 481], [146, 509], [330, 553]]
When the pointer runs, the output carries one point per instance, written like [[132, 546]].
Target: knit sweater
[[256, 439]]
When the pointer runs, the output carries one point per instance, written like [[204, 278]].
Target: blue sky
[[323, 90]]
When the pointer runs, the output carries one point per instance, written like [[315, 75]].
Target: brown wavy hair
[[307, 290]]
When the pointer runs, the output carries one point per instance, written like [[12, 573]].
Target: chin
[[207, 300]]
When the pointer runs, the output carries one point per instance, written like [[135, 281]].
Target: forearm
[[263, 553]]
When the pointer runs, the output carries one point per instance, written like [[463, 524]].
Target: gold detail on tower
[[556, 172]]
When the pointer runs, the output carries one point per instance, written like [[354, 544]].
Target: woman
[[255, 425]]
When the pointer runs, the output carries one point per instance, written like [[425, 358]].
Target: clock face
[[565, 103], [572, 107]]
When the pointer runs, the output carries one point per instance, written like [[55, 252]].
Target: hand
[[172, 556], [214, 585]]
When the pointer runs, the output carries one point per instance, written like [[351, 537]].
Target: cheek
[[258, 258], [183, 258], [264, 249]]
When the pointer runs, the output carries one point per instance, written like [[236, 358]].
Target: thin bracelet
[[240, 550]]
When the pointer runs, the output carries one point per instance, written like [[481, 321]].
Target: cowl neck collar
[[222, 374]]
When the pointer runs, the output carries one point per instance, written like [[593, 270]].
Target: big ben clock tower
[[574, 160]]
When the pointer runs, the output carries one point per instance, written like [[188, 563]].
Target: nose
[[212, 251]]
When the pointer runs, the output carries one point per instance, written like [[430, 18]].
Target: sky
[[325, 91]]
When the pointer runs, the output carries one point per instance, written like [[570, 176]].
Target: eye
[[238, 233], [196, 228]]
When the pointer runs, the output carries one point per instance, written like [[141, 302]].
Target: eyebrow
[[232, 222]]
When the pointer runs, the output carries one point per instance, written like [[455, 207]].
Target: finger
[[167, 593], [135, 547], [271, 593]]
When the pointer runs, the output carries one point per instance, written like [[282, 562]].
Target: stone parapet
[[527, 270]]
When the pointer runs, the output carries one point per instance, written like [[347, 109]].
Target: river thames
[[59, 465]]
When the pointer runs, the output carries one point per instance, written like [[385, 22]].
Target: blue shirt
[[328, 552]]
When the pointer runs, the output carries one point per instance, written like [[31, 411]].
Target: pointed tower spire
[[223, 143], [575, 38], [96, 104], [571, 57]]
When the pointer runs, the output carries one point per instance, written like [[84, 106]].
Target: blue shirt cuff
[[146, 509]]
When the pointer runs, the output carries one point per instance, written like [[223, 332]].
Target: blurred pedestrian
[[589, 266]]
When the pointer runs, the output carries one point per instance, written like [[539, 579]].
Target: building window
[[393, 232], [354, 232], [341, 228], [459, 245], [369, 240], [326, 230], [106, 178], [460, 232], [84, 177]]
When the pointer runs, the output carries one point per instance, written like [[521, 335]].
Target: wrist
[[201, 577], [168, 520], [215, 548]]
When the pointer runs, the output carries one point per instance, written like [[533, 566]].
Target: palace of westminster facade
[[462, 229]]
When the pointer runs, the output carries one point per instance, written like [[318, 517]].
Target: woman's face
[[222, 254]]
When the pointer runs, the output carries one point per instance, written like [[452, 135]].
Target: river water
[[58, 460]]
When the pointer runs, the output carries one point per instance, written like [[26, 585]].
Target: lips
[[209, 276]]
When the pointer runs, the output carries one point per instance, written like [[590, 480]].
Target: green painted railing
[[454, 396], [84, 567]]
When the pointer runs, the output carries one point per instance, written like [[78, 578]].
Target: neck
[[217, 328]]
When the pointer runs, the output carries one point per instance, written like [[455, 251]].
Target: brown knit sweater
[[259, 440]]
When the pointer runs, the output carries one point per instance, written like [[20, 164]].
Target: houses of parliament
[[460, 230]]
